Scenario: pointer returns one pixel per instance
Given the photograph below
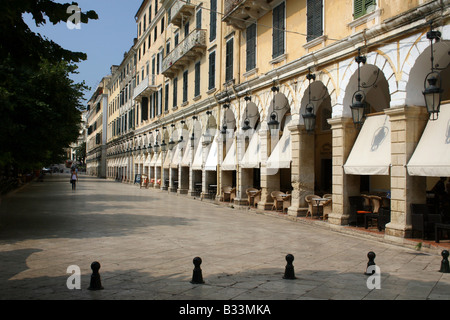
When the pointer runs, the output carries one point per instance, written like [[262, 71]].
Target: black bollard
[[289, 270], [96, 283], [445, 267], [371, 255], [197, 277]]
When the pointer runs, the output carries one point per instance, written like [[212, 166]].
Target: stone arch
[[348, 85]]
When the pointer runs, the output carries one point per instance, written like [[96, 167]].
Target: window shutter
[[212, 22], [197, 79], [212, 70], [251, 47], [229, 61], [361, 7], [278, 31]]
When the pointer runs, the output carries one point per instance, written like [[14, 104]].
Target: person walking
[[73, 179]]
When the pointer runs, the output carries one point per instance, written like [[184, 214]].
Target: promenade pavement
[[145, 241]]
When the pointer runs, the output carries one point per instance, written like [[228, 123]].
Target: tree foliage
[[39, 113]]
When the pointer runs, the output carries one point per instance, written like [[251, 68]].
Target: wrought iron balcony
[[181, 11], [145, 87], [241, 13], [189, 49]]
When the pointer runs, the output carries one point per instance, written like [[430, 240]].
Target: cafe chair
[[423, 219], [327, 205], [286, 202], [312, 206], [252, 193], [277, 199], [228, 193]]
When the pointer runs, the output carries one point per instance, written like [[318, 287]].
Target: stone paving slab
[[146, 240]]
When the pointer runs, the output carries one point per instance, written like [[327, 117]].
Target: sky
[[104, 40]]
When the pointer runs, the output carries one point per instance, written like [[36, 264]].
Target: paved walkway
[[145, 241]]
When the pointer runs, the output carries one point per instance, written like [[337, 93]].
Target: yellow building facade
[[225, 91]]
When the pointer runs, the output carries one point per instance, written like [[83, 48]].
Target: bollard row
[[289, 274]]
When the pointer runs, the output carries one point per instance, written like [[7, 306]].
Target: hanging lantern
[[310, 118]]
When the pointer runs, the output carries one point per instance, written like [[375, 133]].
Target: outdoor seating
[[327, 205], [277, 197], [312, 206], [252, 193], [228, 193], [286, 202], [373, 213], [423, 219]]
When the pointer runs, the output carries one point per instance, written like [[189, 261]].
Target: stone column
[[344, 134], [302, 169], [266, 187], [407, 125]]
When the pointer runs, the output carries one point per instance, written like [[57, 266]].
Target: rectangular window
[[185, 86], [314, 18], [197, 80], [175, 88], [362, 7], [166, 97], [198, 19], [212, 71], [155, 36], [278, 30], [229, 60], [162, 24], [186, 29], [144, 108], [160, 101], [251, 47], [176, 39], [213, 20]]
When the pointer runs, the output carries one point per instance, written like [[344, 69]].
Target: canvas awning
[[159, 159], [176, 159], [153, 161], [251, 158], [198, 158], [186, 161], [211, 160], [432, 155], [371, 153], [229, 163], [281, 155], [147, 160], [168, 159]]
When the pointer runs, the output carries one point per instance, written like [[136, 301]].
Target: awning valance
[[159, 159], [371, 153], [432, 155], [153, 161]]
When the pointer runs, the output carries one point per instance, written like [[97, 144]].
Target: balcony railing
[[188, 50], [145, 87], [181, 10]]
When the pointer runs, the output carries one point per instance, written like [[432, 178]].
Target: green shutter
[[314, 19], [251, 47], [361, 7], [278, 31]]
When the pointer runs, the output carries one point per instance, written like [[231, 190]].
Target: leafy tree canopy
[[39, 114]]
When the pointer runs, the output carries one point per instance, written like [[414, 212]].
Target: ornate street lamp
[[358, 106], [224, 126], [309, 117], [246, 120], [171, 142], [207, 137], [273, 122], [433, 91]]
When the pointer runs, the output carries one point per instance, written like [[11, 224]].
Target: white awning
[[198, 158], [176, 159], [252, 157], [147, 160], [153, 161], [229, 163], [168, 158], [371, 153], [432, 155], [211, 160], [159, 159], [281, 155], [186, 161]]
